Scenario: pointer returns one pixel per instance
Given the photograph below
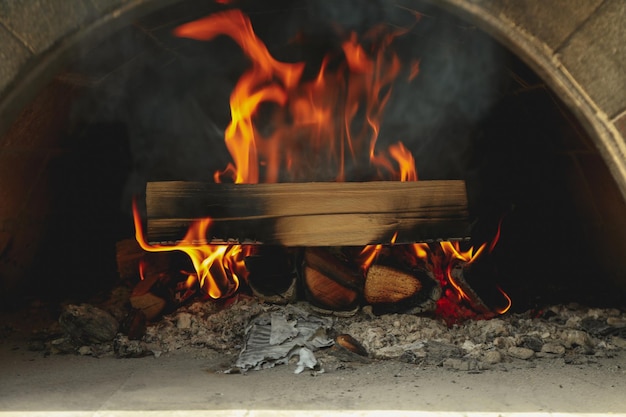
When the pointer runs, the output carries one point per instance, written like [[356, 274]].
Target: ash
[[566, 334], [561, 335]]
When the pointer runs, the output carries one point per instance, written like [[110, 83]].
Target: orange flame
[[508, 301], [219, 267], [326, 121], [368, 255], [331, 121], [450, 255]]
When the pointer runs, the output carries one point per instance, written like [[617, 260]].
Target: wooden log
[[128, 255], [385, 284], [394, 289], [309, 214], [331, 283]]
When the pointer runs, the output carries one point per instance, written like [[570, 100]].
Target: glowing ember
[[324, 128]]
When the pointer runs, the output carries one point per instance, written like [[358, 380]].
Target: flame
[[368, 255], [452, 250], [219, 268], [441, 259], [508, 300], [330, 120], [422, 251]]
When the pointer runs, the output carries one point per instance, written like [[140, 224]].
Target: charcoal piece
[[85, 324], [127, 348], [596, 327], [134, 324], [532, 342]]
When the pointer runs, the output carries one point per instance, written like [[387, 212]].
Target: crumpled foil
[[274, 338]]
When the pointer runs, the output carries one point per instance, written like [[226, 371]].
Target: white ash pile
[[564, 334], [571, 335], [568, 334]]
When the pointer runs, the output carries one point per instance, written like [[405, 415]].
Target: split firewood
[[151, 305], [389, 285], [162, 286], [134, 324], [458, 273], [393, 289], [350, 343], [348, 349], [309, 214], [330, 282]]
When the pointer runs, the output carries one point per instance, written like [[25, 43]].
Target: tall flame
[[328, 121]]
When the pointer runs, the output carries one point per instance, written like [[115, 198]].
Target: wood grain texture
[[309, 214]]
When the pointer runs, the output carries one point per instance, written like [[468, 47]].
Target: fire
[[319, 128], [330, 120], [219, 268], [442, 258]]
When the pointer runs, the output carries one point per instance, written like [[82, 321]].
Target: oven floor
[[183, 384]]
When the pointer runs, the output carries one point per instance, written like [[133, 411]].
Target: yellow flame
[[218, 266], [508, 301]]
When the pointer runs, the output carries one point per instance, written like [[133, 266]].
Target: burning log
[[163, 285], [309, 214], [391, 289], [458, 273], [330, 282]]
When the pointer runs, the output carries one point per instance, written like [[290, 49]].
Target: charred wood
[[85, 324]]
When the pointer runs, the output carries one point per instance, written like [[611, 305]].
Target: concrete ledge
[[187, 384]]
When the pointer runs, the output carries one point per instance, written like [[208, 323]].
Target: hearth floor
[[174, 384]]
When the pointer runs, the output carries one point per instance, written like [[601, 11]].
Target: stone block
[[13, 54], [596, 57], [40, 23], [550, 21]]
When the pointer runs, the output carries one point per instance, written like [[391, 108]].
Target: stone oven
[[523, 100]]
